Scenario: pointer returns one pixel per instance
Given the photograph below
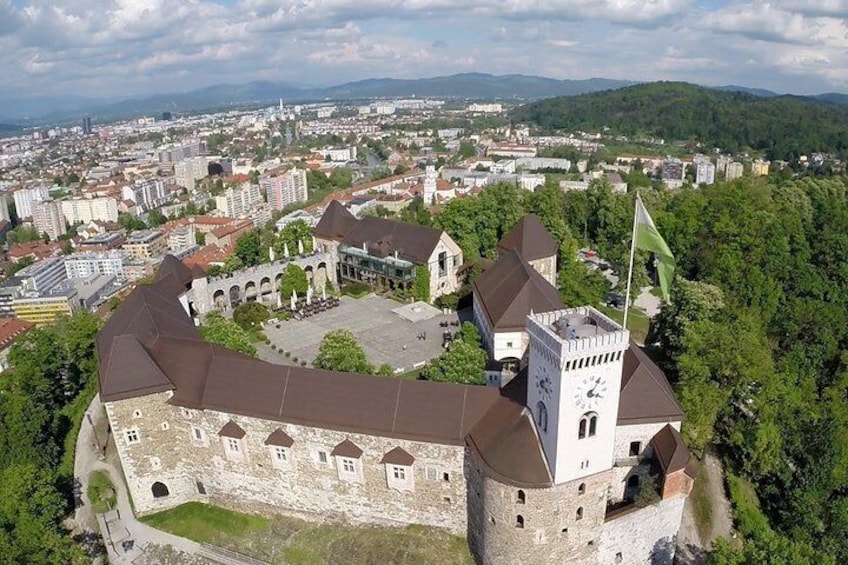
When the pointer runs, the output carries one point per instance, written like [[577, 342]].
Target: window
[[132, 436], [197, 433], [281, 454], [542, 417], [322, 456], [509, 344], [233, 445], [443, 264], [519, 521], [432, 473], [635, 448], [581, 489], [165, 426], [399, 473], [522, 498], [348, 465], [137, 414], [159, 490], [588, 425], [200, 488], [580, 513], [619, 557], [633, 481], [447, 500], [446, 477]]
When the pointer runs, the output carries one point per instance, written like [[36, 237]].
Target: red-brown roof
[[233, 430], [530, 239], [347, 449], [646, 396], [511, 289], [280, 438], [670, 450], [335, 222], [397, 456], [11, 328], [383, 237]]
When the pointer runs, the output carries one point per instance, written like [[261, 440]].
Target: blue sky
[[132, 47]]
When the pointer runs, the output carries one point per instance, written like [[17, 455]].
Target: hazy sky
[[119, 47]]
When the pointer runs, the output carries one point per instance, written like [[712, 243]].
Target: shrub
[[288, 354]]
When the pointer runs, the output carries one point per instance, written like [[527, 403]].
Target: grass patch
[[101, 492], [701, 504], [355, 290], [297, 542], [747, 514], [206, 524], [637, 321], [72, 416]]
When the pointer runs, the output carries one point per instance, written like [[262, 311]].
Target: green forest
[[783, 127]]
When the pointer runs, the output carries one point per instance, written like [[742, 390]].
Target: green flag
[[649, 239]]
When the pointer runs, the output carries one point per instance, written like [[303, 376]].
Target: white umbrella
[[293, 299], [308, 295], [286, 250], [324, 292], [271, 253], [314, 244], [300, 247], [279, 300]]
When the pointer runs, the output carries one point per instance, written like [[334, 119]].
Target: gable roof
[[383, 237], [511, 289], [646, 395], [347, 449], [172, 266], [397, 456], [670, 450], [335, 222], [280, 438], [233, 430], [530, 239]]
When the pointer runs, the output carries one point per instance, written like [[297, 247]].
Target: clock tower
[[573, 385]]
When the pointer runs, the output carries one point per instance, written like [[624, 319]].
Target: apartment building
[[284, 187], [85, 265], [84, 210], [238, 201], [147, 194], [146, 244], [25, 197], [188, 171], [47, 217]]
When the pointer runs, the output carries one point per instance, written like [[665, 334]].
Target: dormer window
[[348, 463], [399, 472], [280, 443], [232, 436]]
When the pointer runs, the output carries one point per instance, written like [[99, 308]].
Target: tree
[[467, 149], [293, 280], [421, 285], [156, 218], [400, 169], [463, 363], [290, 235], [385, 370], [23, 234], [248, 249], [218, 329], [249, 316], [200, 238], [339, 351], [341, 178], [130, 222], [580, 286]]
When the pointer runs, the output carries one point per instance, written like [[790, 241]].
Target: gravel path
[[690, 547]]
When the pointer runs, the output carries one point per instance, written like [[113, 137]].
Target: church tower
[[429, 185], [573, 387]]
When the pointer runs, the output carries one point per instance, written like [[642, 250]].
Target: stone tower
[[573, 387], [429, 184]]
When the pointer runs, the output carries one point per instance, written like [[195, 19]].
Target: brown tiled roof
[[335, 222], [511, 289], [646, 395], [279, 437], [11, 328], [397, 456], [233, 430], [505, 440], [670, 450], [173, 266], [530, 239], [347, 449], [413, 243]]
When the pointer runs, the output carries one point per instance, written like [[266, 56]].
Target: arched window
[[580, 513], [519, 521], [159, 490], [581, 489], [542, 416], [522, 498], [588, 425]]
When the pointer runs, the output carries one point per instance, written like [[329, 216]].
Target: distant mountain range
[[41, 110]]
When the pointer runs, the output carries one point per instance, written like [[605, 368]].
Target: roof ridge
[[285, 389], [397, 404]]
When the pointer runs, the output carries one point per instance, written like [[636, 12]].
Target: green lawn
[[637, 322], [701, 503], [101, 492], [297, 542]]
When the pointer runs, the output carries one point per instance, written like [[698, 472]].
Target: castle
[[542, 469]]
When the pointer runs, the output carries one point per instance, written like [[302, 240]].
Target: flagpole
[[630, 269]]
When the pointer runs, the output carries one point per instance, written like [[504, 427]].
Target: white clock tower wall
[[572, 378]]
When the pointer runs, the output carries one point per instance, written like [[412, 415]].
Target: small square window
[[322, 456], [446, 477], [635, 448], [233, 445], [509, 344], [197, 433], [348, 465], [200, 488], [399, 473], [447, 500], [132, 436], [281, 454]]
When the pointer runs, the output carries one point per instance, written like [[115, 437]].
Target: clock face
[[543, 383], [590, 392]]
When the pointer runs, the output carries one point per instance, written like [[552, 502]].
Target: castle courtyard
[[387, 330]]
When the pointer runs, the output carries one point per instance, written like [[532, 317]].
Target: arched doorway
[[235, 296], [159, 490], [250, 291], [265, 286], [219, 300], [310, 275], [321, 276]]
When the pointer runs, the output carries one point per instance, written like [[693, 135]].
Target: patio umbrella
[[286, 250], [271, 253], [294, 300], [300, 247], [308, 295]]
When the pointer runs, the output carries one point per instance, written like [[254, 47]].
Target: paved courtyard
[[385, 336]]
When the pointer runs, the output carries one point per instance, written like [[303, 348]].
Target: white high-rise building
[[188, 171], [705, 173], [4, 208], [238, 201], [84, 210], [733, 170], [284, 187], [147, 194], [25, 197], [47, 218], [84, 265]]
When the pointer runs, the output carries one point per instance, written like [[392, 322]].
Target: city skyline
[[140, 47]]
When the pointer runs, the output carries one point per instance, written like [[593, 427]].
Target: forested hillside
[[784, 127]]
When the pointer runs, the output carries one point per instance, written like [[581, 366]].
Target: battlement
[[576, 332]]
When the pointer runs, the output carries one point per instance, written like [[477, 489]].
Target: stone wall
[[546, 267], [168, 453], [627, 465], [644, 536], [551, 531]]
